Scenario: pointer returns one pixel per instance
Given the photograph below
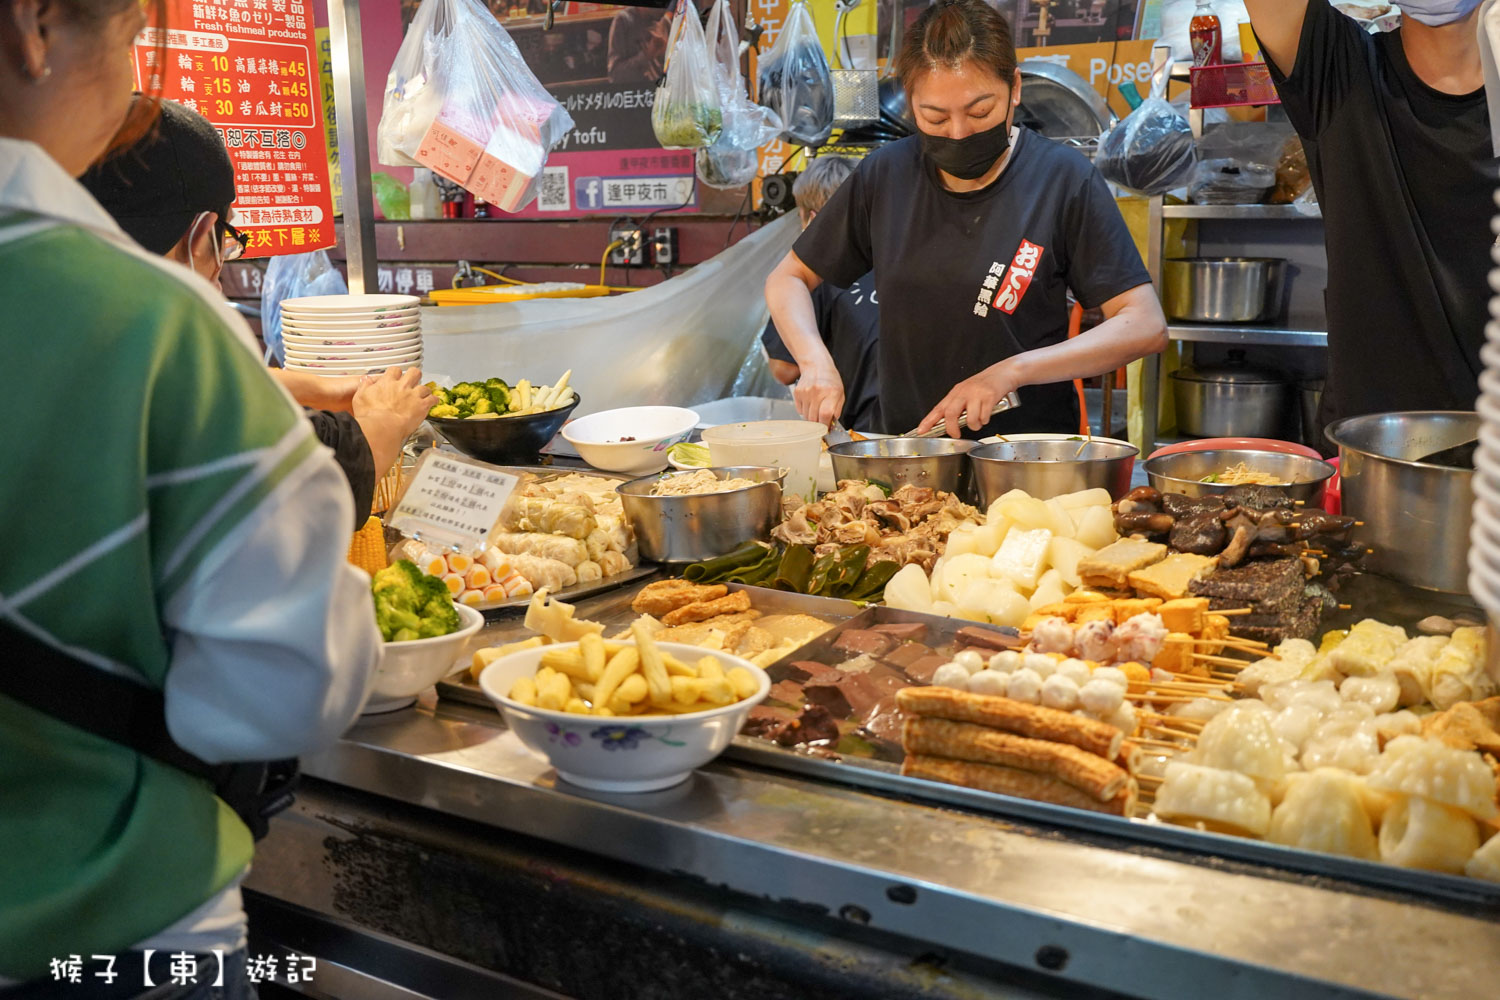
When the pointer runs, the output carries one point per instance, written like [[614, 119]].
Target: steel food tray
[[613, 611], [885, 776]]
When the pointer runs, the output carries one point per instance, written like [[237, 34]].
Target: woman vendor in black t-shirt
[[975, 230]]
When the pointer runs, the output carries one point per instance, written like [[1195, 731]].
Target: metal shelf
[[1269, 336], [1269, 213]]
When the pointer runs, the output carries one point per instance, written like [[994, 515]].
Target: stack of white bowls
[[1484, 538], [337, 335]]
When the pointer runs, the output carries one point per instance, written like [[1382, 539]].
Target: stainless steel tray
[[885, 776], [613, 611]]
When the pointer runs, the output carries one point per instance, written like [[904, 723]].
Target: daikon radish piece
[[1050, 589], [1096, 497], [1062, 525], [1063, 555], [1022, 556], [957, 574], [1027, 513], [1097, 528], [997, 600], [994, 512], [909, 590]]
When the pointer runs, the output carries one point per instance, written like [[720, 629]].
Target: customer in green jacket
[[169, 518]]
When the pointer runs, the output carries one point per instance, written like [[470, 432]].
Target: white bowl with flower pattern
[[629, 753]]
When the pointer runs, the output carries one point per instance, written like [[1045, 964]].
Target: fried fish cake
[[702, 611], [665, 596]]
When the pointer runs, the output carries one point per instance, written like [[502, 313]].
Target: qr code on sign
[[553, 196]]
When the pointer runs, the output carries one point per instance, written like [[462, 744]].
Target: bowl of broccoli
[[424, 632], [496, 422]]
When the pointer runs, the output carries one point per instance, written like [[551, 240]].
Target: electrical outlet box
[[632, 251], [664, 248]]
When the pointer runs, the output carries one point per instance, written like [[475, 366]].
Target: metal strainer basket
[[856, 92]]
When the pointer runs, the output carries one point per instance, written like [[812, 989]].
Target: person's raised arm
[[819, 392], [1278, 25]]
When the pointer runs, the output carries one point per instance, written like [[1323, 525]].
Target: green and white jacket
[[167, 515]]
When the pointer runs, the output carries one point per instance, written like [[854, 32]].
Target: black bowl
[[516, 440]]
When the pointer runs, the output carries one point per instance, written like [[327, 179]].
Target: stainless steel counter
[[1082, 912]]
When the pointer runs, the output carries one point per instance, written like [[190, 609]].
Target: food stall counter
[[1041, 910]]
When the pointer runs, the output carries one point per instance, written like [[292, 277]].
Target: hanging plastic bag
[[688, 112], [795, 81], [734, 158], [1150, 150], [461, 100], [291, 277]]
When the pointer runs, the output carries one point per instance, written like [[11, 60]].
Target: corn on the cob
[[367, 548]]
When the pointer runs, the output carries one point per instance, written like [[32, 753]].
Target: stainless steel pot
[[1184, 471], [1047, 469], [942, 464], [1223, 289], [1231, 400], [1416, 515], [686, 529]]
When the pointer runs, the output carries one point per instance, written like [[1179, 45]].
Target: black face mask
[[968, 158]]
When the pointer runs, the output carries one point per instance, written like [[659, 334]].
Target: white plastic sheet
[[688, 340]]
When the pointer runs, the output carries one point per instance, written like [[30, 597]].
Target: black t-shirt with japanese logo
[[968, 280]]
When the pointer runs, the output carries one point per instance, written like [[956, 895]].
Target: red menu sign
[[251, 68]]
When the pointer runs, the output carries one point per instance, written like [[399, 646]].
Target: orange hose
[[1075, 326]]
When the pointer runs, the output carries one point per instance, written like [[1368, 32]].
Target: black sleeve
[[1332, 56], [1101, 259], [351, 451], [836, 245], [775, 349]]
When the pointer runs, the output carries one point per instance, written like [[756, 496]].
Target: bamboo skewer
[[1176, 720], [1223, 661], [1234, 611], [1180, 734], [1149, 742]]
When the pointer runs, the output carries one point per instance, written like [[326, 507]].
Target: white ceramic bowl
[[389, 321], [331, 305], [652, 430], [627, 754], [307, 345], [355, 355], [352, 336], [409, 668]]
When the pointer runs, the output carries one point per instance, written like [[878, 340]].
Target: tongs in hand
[[1008, 402]]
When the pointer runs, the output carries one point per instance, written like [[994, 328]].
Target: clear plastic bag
[[734, 158], [1237, 164], [688, 112], [461, 100], [1150, 150], [291, 277], [795, 81]]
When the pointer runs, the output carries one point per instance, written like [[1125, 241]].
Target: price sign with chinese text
[[452, 501], [251, 68]]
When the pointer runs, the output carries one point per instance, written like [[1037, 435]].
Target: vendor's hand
[[977, 395], [389, 407], [819, 395]]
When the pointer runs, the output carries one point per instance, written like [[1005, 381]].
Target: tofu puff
[[1324, 811], [1213, 799]]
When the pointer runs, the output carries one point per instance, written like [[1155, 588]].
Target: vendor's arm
[[1278, 25], [820, 391], [1133, 327]]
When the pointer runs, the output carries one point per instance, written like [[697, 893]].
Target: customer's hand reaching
[[388, 408]]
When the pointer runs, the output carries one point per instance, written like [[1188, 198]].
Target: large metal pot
[[1223, 289], [1231, 400], [1416, 515], [940, 463], [1047, 469], [686, 529]]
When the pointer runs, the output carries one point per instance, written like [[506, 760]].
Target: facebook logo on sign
[[588, 192]]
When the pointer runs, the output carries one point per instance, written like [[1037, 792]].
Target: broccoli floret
[[496, 383], [410, 604], [463, 389], [444, 410], [484, 406], [499, 397], [439, 393]]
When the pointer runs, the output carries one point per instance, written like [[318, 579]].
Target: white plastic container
[[794, 445], [424, 195]]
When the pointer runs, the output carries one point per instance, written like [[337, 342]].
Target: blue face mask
[[1436, 13]]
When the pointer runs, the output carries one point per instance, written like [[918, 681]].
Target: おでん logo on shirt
[[1004, 289]]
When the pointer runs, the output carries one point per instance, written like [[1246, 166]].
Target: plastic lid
[[765, 432], [1233, 371]]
